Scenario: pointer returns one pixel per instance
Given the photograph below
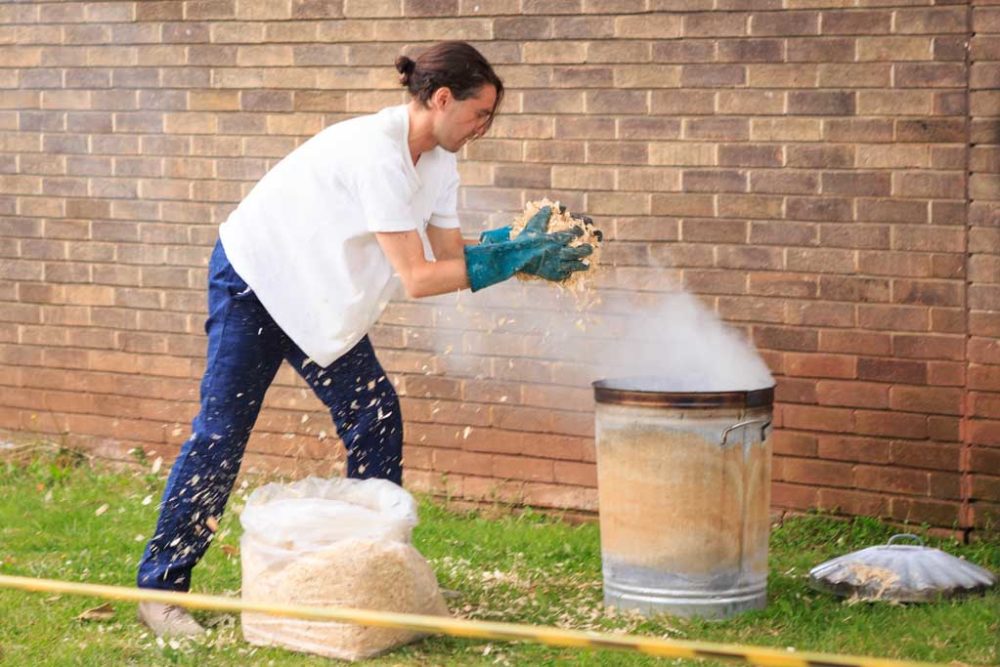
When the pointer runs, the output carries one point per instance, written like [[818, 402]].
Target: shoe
[[169, 620]]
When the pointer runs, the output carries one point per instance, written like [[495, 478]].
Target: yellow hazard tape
[[455, 627]]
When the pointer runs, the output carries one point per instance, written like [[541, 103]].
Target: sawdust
[[580, 283], [871, 582], [677, 502], [382, 575]]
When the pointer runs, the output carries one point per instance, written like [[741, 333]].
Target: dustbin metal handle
[[764, 422]]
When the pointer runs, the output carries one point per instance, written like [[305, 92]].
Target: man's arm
[[421, 278], [447, 243]]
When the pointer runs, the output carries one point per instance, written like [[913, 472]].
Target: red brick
[[947, 320], [893, 318], [853, 502], [925, 455], [984, 378], [820, 365], [847, 22], [794, 496], [892, 370], [580, 474], [855, 235], [715, 24], [784, 182], [859, 130], [857, 183], [933, 400], [821, 260], [456, 461], [776, 338], [895, 480], [915, 510], [891, 424], [714, 282], [821, 103], [818, 418], [848, 448], [983, 432], [559, 496], [792, 390], [712, 76], [820, 313], [751, 50], [984, 351], [783, 284], [946, 485], [934, 21], [714, 181], [822, 50], [829, 157], [943, 428], [984, 459], [854, 341], [853, 394], [928, 347], [985, 406], [784, 23], [931, 130], [820, 209], [520, 467], [946, 373], [793, 443], [433, 435], [815, 472]]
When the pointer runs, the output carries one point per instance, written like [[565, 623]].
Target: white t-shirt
[[304, 238]]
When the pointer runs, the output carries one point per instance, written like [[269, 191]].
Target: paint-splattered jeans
[[245, 349]]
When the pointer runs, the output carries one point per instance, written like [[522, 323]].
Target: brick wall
[[981, 463], [801, 165]]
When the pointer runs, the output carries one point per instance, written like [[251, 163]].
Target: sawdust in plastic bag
[[360, 573], [337, 542]]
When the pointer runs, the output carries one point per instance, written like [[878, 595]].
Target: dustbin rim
[[652, 391]]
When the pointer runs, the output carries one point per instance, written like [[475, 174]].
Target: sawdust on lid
[[872, 582]]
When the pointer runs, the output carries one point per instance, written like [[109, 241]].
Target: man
[[303, 269]]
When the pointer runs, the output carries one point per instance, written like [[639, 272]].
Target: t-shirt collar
[[408, 160]]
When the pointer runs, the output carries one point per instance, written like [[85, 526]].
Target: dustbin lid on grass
[[900, 573]]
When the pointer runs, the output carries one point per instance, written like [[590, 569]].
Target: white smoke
[[683, 345], [670, 337]]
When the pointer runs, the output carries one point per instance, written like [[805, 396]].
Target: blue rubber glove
[[554, 265], [491, 236], [539, 224], [533, 251], [501, 234]]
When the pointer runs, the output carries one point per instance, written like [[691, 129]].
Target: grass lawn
[[62, 520]]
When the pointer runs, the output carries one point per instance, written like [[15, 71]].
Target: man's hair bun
[[405, 66]]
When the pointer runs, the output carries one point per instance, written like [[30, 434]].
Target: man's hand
[[538, 224]]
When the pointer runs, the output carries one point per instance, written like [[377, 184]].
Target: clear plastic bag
[[334, 542]]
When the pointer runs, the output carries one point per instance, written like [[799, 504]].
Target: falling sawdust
[[580, 283]]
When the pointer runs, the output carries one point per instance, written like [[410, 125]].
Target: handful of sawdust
[[580, 283]]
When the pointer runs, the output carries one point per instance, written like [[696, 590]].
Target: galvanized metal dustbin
[[684, 484]]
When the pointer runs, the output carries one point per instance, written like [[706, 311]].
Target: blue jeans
[[245, 349]]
